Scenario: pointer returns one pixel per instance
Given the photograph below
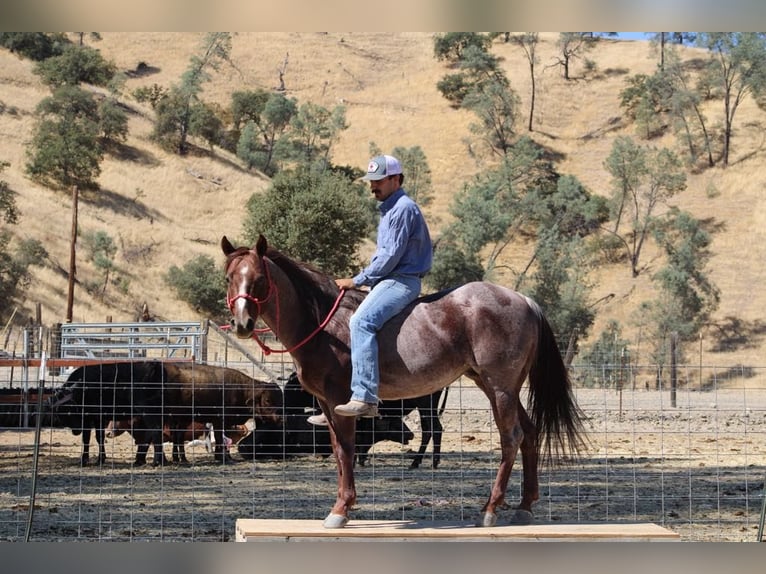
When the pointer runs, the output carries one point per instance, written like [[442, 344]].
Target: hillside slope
[[163, 209]]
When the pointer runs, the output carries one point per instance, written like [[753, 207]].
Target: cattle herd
[[158, 402]]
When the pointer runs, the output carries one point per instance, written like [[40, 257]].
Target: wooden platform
[[263, 530]]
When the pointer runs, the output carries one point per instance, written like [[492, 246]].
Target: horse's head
[[248, 284]]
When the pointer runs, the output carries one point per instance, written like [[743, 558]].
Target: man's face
[[383, 188]]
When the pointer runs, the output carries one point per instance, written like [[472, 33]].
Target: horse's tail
[[553, 408]]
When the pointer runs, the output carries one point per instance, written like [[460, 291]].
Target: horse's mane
[[314, 287]]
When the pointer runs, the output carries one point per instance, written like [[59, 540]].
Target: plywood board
[[250, 530]]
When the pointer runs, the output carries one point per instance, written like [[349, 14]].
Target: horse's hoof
[[522, 517], [335, 521], [488, 520]]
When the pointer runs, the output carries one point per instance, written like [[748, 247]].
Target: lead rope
[[268, 350]]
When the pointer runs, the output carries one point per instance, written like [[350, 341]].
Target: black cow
[[15, 402], [93, 395], [195, 395], [293, 435], [150, 396], [430, 424]]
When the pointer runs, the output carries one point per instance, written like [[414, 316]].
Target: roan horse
[[488, 333]]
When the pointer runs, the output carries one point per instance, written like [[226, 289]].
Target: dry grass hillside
[[164, 209]]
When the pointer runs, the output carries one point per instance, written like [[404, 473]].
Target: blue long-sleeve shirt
[[403, 242]]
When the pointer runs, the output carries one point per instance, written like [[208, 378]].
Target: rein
[[273, 290]]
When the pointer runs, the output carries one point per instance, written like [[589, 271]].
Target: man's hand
[[345, 283]]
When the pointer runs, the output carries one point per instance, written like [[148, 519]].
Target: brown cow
[[222, 396]]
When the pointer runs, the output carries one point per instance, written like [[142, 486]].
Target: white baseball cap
[[382, 166]]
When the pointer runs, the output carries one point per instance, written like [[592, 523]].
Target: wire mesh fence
[[691, 461]]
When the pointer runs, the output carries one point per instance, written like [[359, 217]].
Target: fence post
[[205, 326], [673, 367], [55, 351], [72, 258]]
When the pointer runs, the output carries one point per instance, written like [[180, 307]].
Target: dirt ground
[[696, 468]]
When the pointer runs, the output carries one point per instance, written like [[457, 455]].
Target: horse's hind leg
[[505, 409], [529, 457]]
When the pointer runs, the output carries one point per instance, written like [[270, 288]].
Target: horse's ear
[[226, 246], [260, 246]]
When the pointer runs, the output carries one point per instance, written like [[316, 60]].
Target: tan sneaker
[[354, 408], [318, 420]]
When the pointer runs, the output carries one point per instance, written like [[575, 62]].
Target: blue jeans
[[383, 301]]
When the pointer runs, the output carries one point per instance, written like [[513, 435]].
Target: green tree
[[642, 179], [572, 46], [317, 217], [101, 251], [249, 148], [246, 107], [737, 67], [525, 202], [451, 46], [10, 273], [182, 110], [313, 131], [112, 120], [476, 64], [501, 204], [452, 266], [76, 65], [685, 107], [9, 269], [265, 134], [34, 45], [497, 107], [205, 122], [608, 358], [454, 88], [277, 118], [687, 296], [646, 101], [566, 216], [64, 149], [8, 209], [560, 286], [14, 267], [199, 283], [528, 41], [153, 94]]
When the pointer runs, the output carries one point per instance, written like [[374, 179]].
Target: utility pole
[[72, 253]]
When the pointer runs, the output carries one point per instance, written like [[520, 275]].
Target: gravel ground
[[696, 468]]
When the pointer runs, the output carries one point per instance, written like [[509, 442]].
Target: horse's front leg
[[342, 435], [511, 435]]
